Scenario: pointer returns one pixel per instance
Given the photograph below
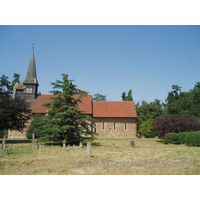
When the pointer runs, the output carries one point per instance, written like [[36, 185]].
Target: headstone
[[132, 143], [64, 144], [72, 148], [13, 146], [81, 145], [4, 152], [89, 150], [33, 139], [3, 144], [36, 145], [69, 147], [39, 148]]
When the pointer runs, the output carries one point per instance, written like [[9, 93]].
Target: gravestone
[[64, 144], [13, 146], [89, 150], [132, 144], [81, 145], [39, 148], [4, 152], [33, 139], [36, 145], [69, 147], [72, 148], [3, 144]]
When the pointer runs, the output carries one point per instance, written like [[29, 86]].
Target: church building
[[115, 119]]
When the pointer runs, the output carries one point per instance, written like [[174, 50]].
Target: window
[[125, 126], [114, 126], [95, 128], [28, 90], [103, 126]]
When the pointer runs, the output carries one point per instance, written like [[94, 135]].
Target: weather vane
[[33, 46]]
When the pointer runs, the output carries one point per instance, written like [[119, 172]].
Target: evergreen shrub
[[35, 127], [193, 139], [171, 138], [182, 136]]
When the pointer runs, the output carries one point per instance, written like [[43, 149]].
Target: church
[[115, 119]]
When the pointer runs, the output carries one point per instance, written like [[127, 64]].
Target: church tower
[[29, 89]]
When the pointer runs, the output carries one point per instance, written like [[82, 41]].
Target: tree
[[16, 79], [36, 126], [175, 124], [99, 97], [146, 129], [64, 120], [127, 98], [184, 103], [14, 112], [146, 111]]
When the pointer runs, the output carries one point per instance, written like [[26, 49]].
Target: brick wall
[[119, 131]]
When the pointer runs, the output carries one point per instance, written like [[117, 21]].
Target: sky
[[106, 59]]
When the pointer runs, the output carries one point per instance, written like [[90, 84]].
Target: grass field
[[25, 159]]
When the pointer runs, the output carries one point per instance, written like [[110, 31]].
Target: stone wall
[[13, 134], [116, 127]]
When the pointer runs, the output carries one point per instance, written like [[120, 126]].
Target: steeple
[[31, 77]]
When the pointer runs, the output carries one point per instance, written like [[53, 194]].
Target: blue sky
[[106, 59]]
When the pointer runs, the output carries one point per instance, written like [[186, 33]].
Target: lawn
[[25, 159]]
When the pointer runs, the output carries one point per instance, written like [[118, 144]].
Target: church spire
[[31, 77]]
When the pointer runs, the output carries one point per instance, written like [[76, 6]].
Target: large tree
[[128, 97], [184, 103], [147, 113], [64, 120], [14, 112], [99, 97]]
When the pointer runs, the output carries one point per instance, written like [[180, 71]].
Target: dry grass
[[25, 159]]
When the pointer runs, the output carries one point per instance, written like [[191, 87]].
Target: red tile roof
[[114, 109], [20, 86], [36, 105]]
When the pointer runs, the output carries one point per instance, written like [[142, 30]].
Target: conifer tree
[[64, 120]]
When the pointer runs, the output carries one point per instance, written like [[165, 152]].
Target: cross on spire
[[33, 46]]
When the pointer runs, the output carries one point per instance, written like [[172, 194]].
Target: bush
[[174, 124], [146, 129], [35, 127], [3, 132], [193, 139], [182, 136], [171, 138]]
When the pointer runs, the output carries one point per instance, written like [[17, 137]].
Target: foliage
[[175, 124], [145, 111], [14, 112], [193, 139], [36, 127], [184, 103], [64, 120], [127, 98], [99, 97], [6, 85], [182, 136], [3, 132], [146, 129], [171, 138]]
